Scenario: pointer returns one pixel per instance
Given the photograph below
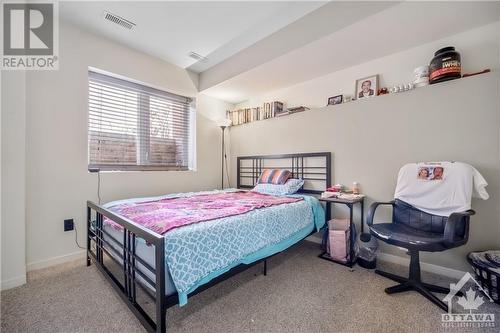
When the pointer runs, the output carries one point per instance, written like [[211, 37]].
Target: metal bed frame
[[99, 241]]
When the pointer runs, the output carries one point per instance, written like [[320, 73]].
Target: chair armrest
[[373, 207], [452, 224]]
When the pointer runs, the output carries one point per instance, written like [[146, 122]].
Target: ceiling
[[170, 30], [393, 29]]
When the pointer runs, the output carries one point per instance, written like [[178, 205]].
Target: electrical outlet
[[69, 225]]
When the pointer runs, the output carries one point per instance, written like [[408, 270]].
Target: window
[[135, 127]]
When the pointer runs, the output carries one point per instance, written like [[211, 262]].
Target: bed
[[171, 261]]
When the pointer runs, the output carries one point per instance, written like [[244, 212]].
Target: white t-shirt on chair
[[440, 188]]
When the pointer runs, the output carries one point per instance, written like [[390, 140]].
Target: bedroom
[[126, 99]]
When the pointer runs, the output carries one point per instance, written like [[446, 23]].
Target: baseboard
[[55, 260], [14, 282], [394, 259], [391, 258], [426, 267]]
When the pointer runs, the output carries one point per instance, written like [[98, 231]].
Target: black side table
[[350, 204]]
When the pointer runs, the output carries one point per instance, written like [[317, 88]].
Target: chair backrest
[[440, 188], [412, 217]]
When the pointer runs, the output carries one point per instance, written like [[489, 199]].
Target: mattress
[[143, 251], [198, 253]]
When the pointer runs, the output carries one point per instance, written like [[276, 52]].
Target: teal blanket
[[198, 253]]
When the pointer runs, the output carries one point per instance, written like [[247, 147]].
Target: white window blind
[[135, 127]]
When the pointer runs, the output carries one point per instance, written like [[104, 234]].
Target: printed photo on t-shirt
[[430, 173]]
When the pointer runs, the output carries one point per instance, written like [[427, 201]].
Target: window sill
[[107, 168]]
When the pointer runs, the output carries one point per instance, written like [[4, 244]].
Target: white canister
[[421, 76]]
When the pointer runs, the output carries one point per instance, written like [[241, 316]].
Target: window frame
[[142, 156]]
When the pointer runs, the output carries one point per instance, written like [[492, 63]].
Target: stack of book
[[341, 195], [247, 115], [297, 109]]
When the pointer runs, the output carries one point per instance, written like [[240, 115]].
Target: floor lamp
[[223, 124]]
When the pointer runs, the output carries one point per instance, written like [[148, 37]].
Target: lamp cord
[[99, 187], [99, 200], [76, 238]]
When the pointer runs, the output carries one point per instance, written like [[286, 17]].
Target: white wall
[[370, 140], [13, 246], [54, 129], [57, 181], [479, 49]]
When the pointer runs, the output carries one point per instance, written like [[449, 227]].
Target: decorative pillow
[[290, 187], [274, 176]]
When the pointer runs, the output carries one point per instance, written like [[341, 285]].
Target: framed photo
[[335, 100], [367, 87]]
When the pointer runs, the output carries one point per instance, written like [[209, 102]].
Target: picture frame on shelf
[[367, 87], [334, 100]]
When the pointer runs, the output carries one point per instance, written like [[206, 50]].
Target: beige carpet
[[301, 293]]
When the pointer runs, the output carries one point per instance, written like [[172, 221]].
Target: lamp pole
[[223, 156], [223, 124]]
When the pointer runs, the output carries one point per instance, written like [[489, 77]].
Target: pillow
[[290, 187], [274, 176]]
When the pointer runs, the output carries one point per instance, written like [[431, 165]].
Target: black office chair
[[418, 231]]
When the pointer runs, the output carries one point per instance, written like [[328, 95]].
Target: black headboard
[[314, 168]]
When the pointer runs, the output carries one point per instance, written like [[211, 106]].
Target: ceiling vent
[[198, 57], [118, 20]]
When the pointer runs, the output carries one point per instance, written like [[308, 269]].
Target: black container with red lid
[[445, 65]]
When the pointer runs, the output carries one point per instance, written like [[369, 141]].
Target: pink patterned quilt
[[166, 214]]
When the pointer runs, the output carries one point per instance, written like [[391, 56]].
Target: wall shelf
[[372, 99]]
